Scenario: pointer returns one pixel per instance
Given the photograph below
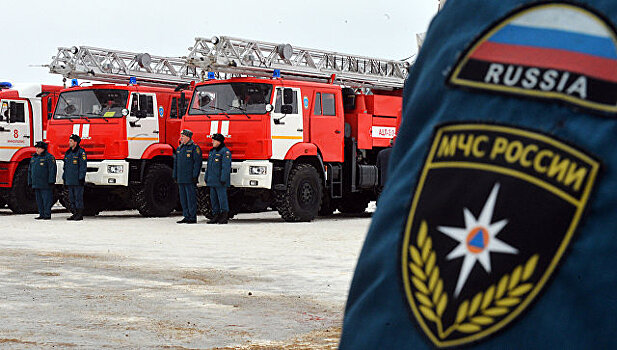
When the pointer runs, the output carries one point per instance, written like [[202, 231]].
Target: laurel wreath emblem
[[474, 314]]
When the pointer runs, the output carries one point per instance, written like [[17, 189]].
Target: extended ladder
[[228, 57]]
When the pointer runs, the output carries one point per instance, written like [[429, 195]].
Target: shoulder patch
[[556, 51], [471, 258]]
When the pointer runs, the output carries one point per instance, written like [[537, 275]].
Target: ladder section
[[115, 66], [257, 58]]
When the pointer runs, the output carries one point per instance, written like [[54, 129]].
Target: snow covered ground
[[122, 281]]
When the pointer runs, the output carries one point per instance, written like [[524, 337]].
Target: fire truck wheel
[[203, 202], [21, 198], [353, 204], [327, 205], [302, 198], [158, 194]]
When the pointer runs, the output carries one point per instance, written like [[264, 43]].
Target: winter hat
[[218, 137], [41, 144], [187, 132], [75, 138]]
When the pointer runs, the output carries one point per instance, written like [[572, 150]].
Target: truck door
[[287, 128], [327, 125], [142, 123], [14, 127], [173, 124]]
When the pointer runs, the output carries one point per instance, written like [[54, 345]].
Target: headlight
[[115, 169], [257, 170]]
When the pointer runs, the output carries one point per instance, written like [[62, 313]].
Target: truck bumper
[[99, 173], [241, 174]]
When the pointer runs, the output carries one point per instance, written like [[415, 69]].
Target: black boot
[[224, 218], [72, 217], [183, 221], [215, 219], [80, 215], [40, 217]]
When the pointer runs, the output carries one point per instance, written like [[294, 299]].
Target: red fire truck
[[304, 125], [24, 112], [300, 147], [129, 133]]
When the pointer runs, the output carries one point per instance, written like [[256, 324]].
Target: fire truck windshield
[[231, 98], [94, 103]]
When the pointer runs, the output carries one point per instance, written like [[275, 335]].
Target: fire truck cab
[[303, 148], [24, 113], [129, 133]]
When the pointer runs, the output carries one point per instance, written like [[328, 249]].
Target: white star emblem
[[477, 240]]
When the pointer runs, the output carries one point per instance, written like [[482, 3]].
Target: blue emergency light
[[74, 82], [211, 75], [5, 85], [133, 81], [276, 73]]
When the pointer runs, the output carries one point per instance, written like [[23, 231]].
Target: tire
[[158, 194], [302, 198], [21, 198], [203, 202], [353, 204], [327, 205], [204, 206], [92, 203]]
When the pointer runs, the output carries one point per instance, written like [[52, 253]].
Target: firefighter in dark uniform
[[42, 178], [497, 229], [383, 159], [217, 178], [74, 176], [187, 165]]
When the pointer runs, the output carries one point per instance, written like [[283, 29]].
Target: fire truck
[[129, 129], [304, 125], [24, 113]]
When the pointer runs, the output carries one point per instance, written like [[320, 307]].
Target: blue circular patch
[[306, 102], [161, 111]]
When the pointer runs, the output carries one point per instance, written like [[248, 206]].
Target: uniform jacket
[[499, 225], [75, 166], [219, 167], [187, 163], [42, 171]]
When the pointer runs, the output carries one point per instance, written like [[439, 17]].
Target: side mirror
[[70, 109], [288, 96], [182, 105], [204, 100], [286, 109], [269, 107], [133, 120], [125, 112]]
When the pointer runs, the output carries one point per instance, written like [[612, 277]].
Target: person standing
[[42, 178], [383, 159], [74, 176], [187, 165], [217, 178]]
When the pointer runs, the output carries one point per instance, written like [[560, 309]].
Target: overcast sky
[[34, 29]]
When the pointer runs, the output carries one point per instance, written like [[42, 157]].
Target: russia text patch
[[493, 212], [548, 50]]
